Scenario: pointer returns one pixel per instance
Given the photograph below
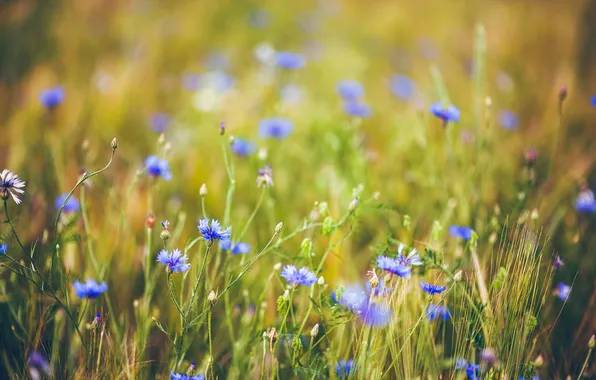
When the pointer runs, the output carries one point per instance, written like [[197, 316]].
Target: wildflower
[[447, 114], [350, 89], [460, 232], [89, 289], [243, 147], [158, 167], [203, 190], [432, 289], [563, 291], [460, 363], [594, 101], [289, 60], [357, 109], [434, 312], [508, 120], [392, 266], [175, 261], [159, 122], [10, 184], [241, 248], [52, 97], [295, 276], [3, 248], [358, 300], [376, 314], [265, 177], [558, 262], [277, 127], [183, 376], [38, 366], [214, 230], [402, 86], [344, 368], [225, 245], [314, 331], [473, 371], [530, 155], [72, 205], [586, 202], [413, 257], [489, 357]]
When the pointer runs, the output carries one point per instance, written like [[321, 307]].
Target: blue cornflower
[[447, 114], [38, 365], [508, 120], [586, 202], [72, 205], [159, 121], [158, 167], [10, 183], [175, 261], [344, 368], [289, 60], [413, 257], [277, 127], [243, 147], [3, 248], [358, 300], [563, 291], [241, 248], [213, 231], [460, 232], [295, 276], [460, 363], [225, 245], [432, 289], [350, 89], [402, 86], [89, 289], [594, 101], [393, 266], [558, 262], [357, 109], [376, 314], [183, 376], [434, 312], [52, 97], [354, 297], [473, 371]]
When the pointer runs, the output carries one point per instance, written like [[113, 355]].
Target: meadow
[[310, 190]]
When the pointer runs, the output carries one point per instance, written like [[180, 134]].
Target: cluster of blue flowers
[[351, 92]]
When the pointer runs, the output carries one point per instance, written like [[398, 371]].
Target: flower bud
[[592, 342], [231, 139], [203, 190], [4, 194], [315, 331], [374, 280], [150, 220], [212, 297], [222, 128], [353, 204], [563, 93], [279, 227], [165, 235], [286, 295], [321, 281], [277, 266], [458, 276], [539, 361], [262, 154], [488, 101], [534, 214], [114, 144], [161, 140]]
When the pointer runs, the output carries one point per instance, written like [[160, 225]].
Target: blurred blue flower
[[393, 266], [473, 371], [460, 232], [243, 147], [159, 121], [558, 262], [586, 202], [289, 60], [594, 101], [3, 248], [213, 231], [241, 248], [52, 97], [89, 289], [175, 261], [225, 245], [295, 276], [434, 312], [402, 86], [376, 314], [183, 376], [291, 94], [447, 114], [72, 205], [460, 363], [563, 291], [354, 297], [357, 109], [432, 289], [345, 368], [190, 81], [277, 127], [158, 167], [358, 300], [259, 19], [508, 120], [413, 257], [38, 366], [216, 80], [380, 290], [217, 60], [350, 89]]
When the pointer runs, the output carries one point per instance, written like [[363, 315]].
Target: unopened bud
[[376, 195], [4, 194], [353, 204], [150, 220], [458, 276], [222, 128], [279, 227], [161, 140], [563, 93], [374, 280], [534, 214], [321, 281], [539, 361], [262, 154], [492, 239], [114, 144], [203, 190], [592, 342], [277, 266], [315, 331], [231, 139], [165, 235], [286, 295], [212, 297]]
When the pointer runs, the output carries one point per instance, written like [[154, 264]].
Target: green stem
[[581, 373], [252, 216]]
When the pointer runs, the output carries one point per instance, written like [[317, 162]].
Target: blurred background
[[134, 69]]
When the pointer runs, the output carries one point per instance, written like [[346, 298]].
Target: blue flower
[[460, 363], [295, 276], [52, 97], [90, 289], [508, 120], [432, 289], [376, 314], [3, 248], [434, 312], [563, 291], [72, 205], [159, 121], [11, 183], [225, 245], [586, 202], [183, 376], [175, 261], [450, 113], [350, 89], [344, 368], [380, 290], [358, 300], [460, 232], [413, 257], [357, 109], [158, 167], [594, 101], [354, 297], [558, 262], [402, 86], [289, 60], [37, 365], [243, 147], [473, 371], [277, 127], [241, 248], [393, 266], [213, 231]]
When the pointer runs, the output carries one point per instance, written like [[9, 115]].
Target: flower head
[[350, 89], [473, 371], [11, 185], [402, 86], [563, 291], [175, 261], [460, 232], [183, 376], [586, 202], [265, 177], [393, 266], [158, 167], [159, 121], [460, 363], [225, 245], [488, 356], [243, 147], [508, 120], [373, 313], [212, 230], [277, 128], [357, 109], [240, 248], [72, 205], [434, 312], [413, 257], [289, 60], [89, 289], [345, 368], [38, 366], [3, 248], [447, 114], [432, 289], [594, 101], [558, 262], [295, 276], [52, 97]]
